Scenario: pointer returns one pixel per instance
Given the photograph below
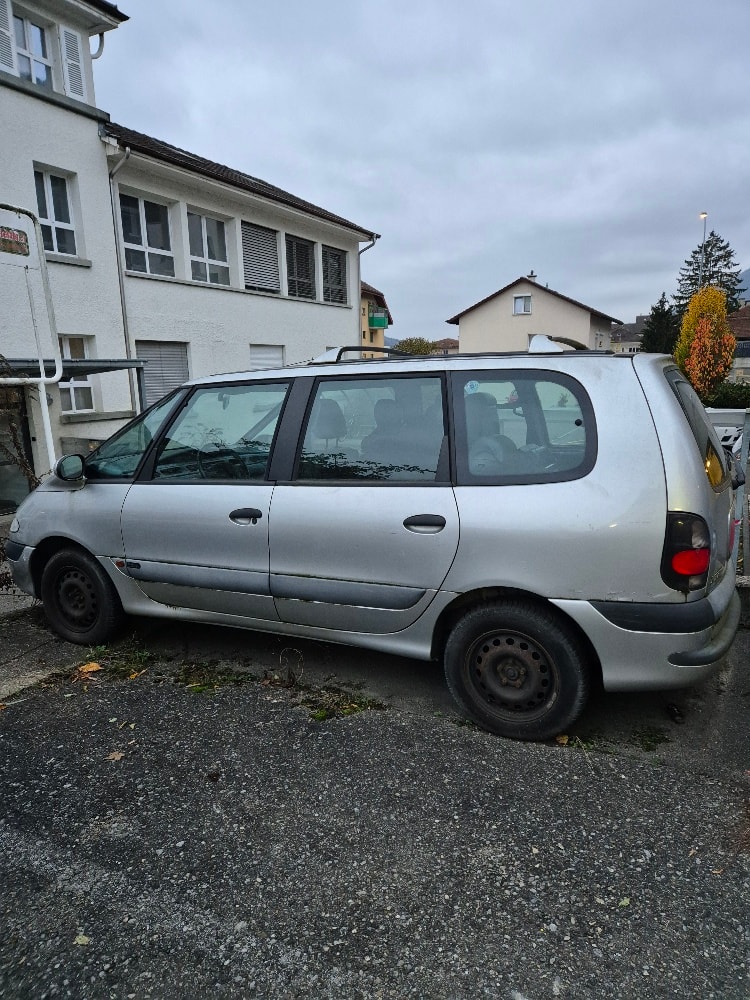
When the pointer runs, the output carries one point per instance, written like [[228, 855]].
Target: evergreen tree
[[661, 328], [710, 265]]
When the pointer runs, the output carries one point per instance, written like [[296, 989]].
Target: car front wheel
[[80, 600], [517, 670]]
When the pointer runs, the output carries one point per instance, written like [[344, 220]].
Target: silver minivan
[[542, 522]]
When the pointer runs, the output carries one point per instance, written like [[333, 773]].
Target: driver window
[[120, 456], [222, 433]]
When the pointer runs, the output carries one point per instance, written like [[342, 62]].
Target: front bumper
[[18, 558]]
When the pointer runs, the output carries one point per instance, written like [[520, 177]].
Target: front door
[[365, 534], [195, 524]]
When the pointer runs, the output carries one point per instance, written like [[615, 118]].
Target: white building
[[162, 265]]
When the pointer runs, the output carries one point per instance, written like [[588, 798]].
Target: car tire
[[517, 670], [80, 601]]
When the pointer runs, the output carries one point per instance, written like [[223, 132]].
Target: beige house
[[375, 318], [509, 318]]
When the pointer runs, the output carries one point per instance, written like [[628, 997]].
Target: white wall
[[494, 327], [85, 289]]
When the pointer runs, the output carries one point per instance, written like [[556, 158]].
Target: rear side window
[[521, 427], [705, 436], [375, 430]]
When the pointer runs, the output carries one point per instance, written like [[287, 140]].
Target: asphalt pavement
[[216, 813]]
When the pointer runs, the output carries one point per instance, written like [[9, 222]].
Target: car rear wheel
[[517, 670], [80, 600]]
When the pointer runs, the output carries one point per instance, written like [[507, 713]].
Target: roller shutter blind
[[334, 275], [300, 267], [265, 356], [166, 368], [260, 258]]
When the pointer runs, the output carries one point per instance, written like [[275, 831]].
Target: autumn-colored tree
[[706, 346]]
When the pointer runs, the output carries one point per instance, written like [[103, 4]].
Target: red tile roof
[[739, 322], [378, 296]]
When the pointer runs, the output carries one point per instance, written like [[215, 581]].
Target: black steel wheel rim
[[77, 599], [512, 675]]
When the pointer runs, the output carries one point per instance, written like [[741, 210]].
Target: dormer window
[[50, 56], [32, 52]]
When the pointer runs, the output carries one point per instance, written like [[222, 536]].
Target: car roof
[[403, 364]]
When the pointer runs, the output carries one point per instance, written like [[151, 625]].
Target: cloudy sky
[[581, 139]]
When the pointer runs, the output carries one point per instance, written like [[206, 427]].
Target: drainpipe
[[42, 380], [375, 238], [134, 398]]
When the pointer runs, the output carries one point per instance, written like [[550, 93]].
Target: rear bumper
[[721, 640], [657, 646]]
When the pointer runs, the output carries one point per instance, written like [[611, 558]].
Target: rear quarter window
[[706, 438], [521, 427]]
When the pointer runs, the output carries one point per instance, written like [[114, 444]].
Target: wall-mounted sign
[[14, 241]]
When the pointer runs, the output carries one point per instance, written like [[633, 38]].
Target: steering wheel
[[221, 462]]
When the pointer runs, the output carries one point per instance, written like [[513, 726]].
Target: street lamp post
[[704, 216]]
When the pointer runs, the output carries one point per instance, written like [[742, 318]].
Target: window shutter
[[334, 275], [300, 267], [265, 356], [71, 47], [7, 48], [166, 368], [260, 258]]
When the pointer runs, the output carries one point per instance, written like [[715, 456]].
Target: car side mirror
[[70, 468]]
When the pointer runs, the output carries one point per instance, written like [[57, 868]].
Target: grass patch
[[335, 703], [649, 738], [123, 662], [210, 676]]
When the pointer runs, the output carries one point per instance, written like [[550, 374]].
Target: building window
[[208, 249], [53, 206], [76, 395], [334, 275], [145, 233], [521, 305], [260, 259], [32, 52], [300, 267]]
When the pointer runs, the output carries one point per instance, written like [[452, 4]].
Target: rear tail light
[[716, 469], [687, 552]]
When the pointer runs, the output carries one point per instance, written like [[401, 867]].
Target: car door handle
[[425, 524], [246, 515]]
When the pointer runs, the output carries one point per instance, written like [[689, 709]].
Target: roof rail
[[335, 353]]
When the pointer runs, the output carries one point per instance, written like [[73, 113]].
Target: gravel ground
[[171, 842]]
